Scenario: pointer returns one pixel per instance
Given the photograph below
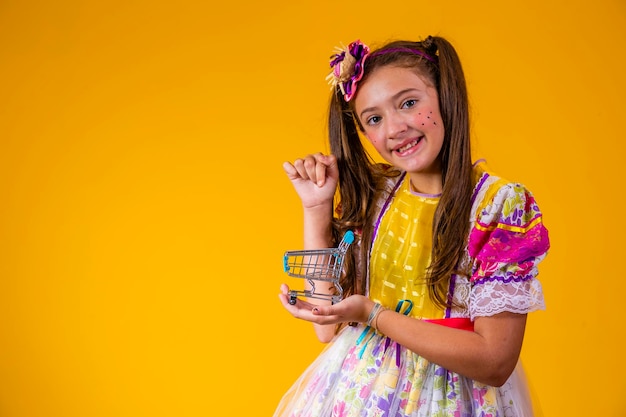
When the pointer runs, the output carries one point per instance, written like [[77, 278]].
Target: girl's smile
[[403, 149]]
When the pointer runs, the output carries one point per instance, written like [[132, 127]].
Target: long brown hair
[[361, 180]]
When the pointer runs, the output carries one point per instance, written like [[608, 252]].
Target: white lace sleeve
[[497, 295]]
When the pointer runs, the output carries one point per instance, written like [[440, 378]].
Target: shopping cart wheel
[[292, 298]]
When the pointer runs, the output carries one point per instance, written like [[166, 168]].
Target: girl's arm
[[488, 354], [315, 180]]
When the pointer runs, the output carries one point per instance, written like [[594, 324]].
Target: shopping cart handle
[[286, 263], [349, 237]]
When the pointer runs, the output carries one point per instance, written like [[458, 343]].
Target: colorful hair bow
[[347, 68]]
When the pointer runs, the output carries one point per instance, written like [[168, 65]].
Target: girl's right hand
[[314, 178]]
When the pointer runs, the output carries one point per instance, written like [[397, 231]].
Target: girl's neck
[[426, 183]]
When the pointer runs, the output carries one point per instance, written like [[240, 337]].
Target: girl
[[437, 288]]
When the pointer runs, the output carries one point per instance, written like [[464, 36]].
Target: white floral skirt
[[373, 376]]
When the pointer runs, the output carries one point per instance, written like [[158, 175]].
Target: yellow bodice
[[401, 252]]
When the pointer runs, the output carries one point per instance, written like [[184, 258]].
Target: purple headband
[[409, 50], [347, 65]]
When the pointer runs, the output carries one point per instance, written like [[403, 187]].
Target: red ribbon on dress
[[456, 323]]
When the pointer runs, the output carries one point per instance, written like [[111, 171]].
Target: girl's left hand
[[354, 308]]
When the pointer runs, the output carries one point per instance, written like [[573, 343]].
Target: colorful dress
[[363, 373]]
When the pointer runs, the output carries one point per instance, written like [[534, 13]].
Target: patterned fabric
[[363, 373], [507, 242]]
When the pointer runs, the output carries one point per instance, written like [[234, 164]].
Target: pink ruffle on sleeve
[[507, 242]]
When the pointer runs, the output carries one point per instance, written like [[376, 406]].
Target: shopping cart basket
[[318, 265]]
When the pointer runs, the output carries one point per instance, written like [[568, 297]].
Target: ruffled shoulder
[[507, 241], [508, 224]]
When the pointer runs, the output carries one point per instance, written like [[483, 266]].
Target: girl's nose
[[396, 125]]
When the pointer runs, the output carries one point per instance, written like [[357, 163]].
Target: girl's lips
[[407, 146]]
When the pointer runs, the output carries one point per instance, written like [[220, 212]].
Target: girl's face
[[399, 112]]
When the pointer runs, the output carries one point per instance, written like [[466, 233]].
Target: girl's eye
[[373, 120], [409, 103]]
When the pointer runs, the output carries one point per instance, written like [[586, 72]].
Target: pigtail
[[356, 188], [450, 226], [355, 174]]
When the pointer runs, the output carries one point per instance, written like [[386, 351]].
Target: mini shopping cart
[[318, 265]]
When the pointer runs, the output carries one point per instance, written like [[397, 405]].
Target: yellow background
[[144, 211]]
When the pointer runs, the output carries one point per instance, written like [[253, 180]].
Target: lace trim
[[493, 296]]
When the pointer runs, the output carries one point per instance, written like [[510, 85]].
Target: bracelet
[[373, 314], [376, 318], [373, 317]]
